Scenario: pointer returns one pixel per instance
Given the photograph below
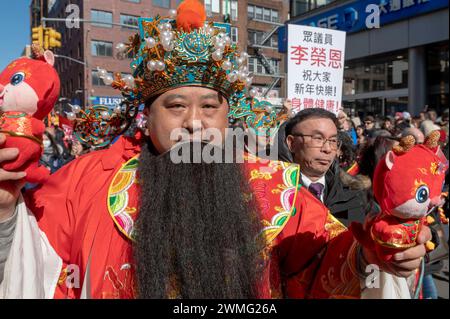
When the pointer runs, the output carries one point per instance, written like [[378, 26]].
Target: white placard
[[315, 67]]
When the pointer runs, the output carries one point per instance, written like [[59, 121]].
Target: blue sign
[[75, 101], [109, 101], [352, 17]]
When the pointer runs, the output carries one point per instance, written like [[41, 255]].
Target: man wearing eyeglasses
[[312, 138]]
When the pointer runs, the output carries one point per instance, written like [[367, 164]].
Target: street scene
[[224, 149]]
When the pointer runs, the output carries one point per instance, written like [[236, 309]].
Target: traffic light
[[38, 36], [52, 39]]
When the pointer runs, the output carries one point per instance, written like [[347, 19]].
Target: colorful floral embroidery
[[288, 194], [119, 199]]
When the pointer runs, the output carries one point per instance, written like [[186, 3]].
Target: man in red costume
[[128, 222]]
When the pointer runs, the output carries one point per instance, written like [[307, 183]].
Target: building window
[[231, 9], [101, 48], [258, 13], [267, 14], [212, 6], [234, 34], [251, 65], [301, 6], [162, 3], [129, 20], [96, 79], [438, 75], [274, 41], [256, 37], [262, 14], [275, 65], [251, 12], [102, 16], [255, 66], [275, 16], [259, 67], [251, 37]]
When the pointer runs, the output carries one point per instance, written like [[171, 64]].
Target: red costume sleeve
[[320, 256], [54, 205], [310, 251]]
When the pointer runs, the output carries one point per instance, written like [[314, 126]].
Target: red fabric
[[353, 170], [64, 121], [443, 137], [395, 187], [71, 209], [29, 150], [41, 76]]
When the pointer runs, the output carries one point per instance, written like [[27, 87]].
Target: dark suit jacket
[[345, 204]]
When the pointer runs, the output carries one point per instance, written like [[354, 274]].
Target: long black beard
[[196, 231]]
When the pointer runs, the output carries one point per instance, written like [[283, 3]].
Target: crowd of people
[[60, 148], [341, 173]]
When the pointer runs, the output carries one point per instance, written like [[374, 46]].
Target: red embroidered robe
[[87, 210]]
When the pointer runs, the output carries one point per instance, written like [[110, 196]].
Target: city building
[[401, 64], [92, 44], [299, 7], [38, 9]]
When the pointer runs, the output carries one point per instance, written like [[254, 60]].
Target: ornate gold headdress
[[183, 50]]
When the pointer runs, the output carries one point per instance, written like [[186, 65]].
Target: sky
[[14, 29]]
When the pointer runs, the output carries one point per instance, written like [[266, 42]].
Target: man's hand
[[405, 262], [10, 182]]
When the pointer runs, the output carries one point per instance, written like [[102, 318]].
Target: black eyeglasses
[[319, 141]]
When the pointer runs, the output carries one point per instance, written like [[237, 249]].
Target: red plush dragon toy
[[29, 89], [407, 185]]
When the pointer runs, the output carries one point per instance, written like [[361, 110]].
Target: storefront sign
[[359, 15], [109, 101]]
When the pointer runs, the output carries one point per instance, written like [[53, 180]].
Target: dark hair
[[372, 153], [150, 101], [309, 114], [369, 118], [348, 155], [53, 143]]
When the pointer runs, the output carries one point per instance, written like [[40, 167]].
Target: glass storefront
[[365, 81], [437, 76], [299, 7], [379, 84]]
